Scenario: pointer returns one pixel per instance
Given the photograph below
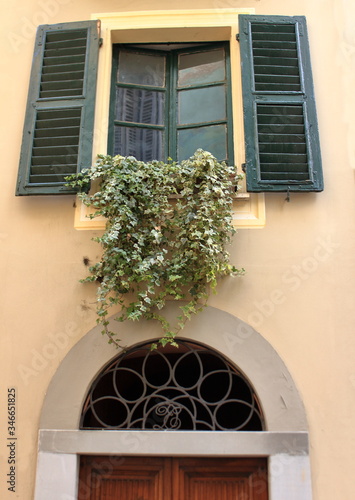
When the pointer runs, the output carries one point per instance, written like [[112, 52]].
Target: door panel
[[219, 479], [161, 478], [126, 478]]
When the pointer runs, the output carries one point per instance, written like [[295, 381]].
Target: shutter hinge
[[237, 37], [300, 29], [101, 41], [41, 35], [244, 167]]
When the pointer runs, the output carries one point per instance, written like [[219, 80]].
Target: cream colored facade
[[297, 294]]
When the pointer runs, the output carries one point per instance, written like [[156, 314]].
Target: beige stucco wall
[[298, 292]]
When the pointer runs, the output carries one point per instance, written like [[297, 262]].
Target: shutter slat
[[275, 70], [57, 179], [273, 79], [70, 141], [276, 87], [55, 77], [280, 128], [274, 119], [281, 138], [61, 36], [271, 109], [278, 102], [282, 158], [62, 85], [285, 168], [283, 177], [58, 132], [58, 70], [280, 147], [62, 93], [275, 60], [57, 113], [56, 150], [268, 47], [53, 169], [277, 37], [63, 61], [57, 121], [63, 52], [57, 159], [266, 27]]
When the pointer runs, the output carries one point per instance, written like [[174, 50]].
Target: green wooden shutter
[[281, 133], [59, 120]]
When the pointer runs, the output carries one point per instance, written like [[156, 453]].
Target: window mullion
[[171, 105]]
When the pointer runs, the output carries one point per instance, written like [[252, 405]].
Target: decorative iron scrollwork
[[170, 413], [190, 388]]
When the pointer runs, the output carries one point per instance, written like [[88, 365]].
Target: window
[[168, 102], [192, 388], [280, 126]]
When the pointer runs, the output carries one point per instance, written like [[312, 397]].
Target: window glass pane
[[212, 138], [144, 144], [202, 105], [201, 67], [140, 106], [141, 69]]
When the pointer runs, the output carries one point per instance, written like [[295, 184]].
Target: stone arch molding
[[285, 440]]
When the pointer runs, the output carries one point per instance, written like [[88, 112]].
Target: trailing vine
[[166, 233]]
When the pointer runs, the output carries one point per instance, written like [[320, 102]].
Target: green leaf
[[154, 248]]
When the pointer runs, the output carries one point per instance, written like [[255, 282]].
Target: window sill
[[248, 212]]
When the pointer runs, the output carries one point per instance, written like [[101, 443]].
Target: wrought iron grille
[[190, 388]]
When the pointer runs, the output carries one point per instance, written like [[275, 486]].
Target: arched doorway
[[283, 442]]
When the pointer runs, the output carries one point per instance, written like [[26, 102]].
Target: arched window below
[[187, 388]]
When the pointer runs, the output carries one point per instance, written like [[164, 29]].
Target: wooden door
[[161, 478]]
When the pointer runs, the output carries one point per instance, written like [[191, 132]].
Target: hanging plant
[[167, 228]]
